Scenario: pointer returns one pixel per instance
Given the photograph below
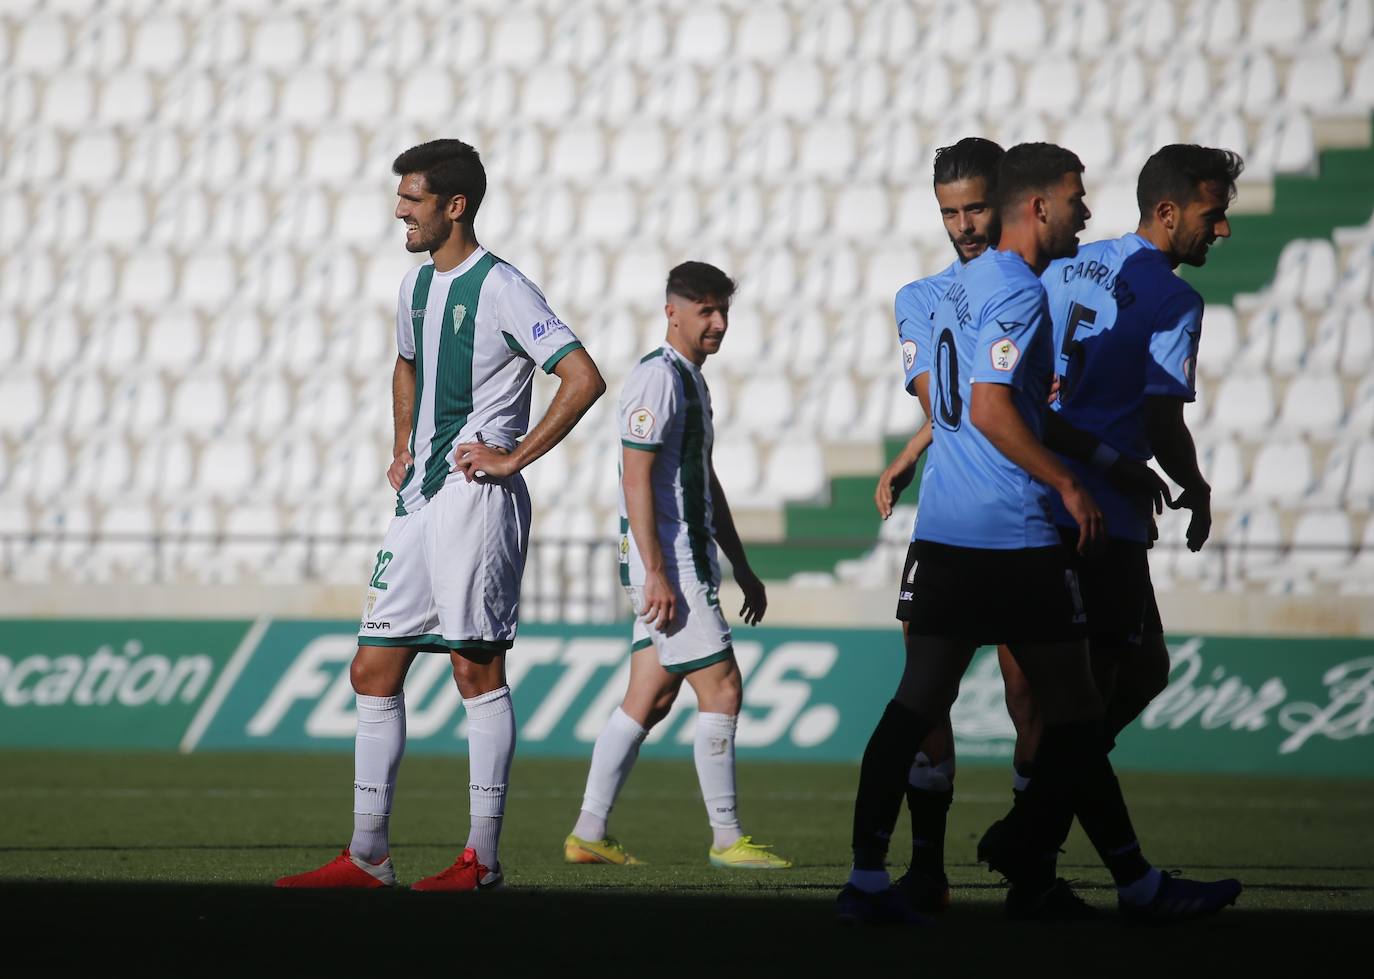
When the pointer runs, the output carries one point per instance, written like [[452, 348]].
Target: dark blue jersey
[[1125, 328]]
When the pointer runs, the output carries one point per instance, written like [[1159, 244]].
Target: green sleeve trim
[[559, 354], [697, 664], [433, 642], [641, 644], [643, 446], [514, 345]]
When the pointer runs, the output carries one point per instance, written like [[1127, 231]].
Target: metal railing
[[573, 580]]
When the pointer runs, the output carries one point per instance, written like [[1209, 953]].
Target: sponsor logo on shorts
[[906, 596], [376, 625], [1004, 353]]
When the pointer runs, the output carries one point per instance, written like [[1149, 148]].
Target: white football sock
[[931, 778], [714, 751], [377, 750], [491, 745], [1143, 891], [1019, 782], [870, 881], [617, 747]]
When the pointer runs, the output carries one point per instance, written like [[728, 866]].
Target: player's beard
[[428, 237], [980, 241]]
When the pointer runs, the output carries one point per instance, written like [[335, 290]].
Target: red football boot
[[345, 870], [466, 874]]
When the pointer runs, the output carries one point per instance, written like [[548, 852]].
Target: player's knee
[[660, 706], [370, 679]]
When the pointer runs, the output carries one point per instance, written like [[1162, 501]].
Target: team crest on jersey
[[908, 353], [641, 423], [1004, 354], [460, 312]]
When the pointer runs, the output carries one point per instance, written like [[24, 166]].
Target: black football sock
[[1084, 774], [929, 813], [882, 782]]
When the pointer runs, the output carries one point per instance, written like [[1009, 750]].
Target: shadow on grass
[[166, 929]]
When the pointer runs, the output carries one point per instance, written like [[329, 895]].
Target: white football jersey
[[475, 334], [665, 408]]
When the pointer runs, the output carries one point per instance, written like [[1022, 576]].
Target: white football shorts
[[448, 575], [698, 635]]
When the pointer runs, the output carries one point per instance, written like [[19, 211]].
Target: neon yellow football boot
[[609, 850], [745, 854]]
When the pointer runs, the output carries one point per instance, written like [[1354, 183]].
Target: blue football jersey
[[990, 327], [1125, 328], [914, 307]]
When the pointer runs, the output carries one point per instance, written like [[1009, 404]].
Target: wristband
[[1104, 456]]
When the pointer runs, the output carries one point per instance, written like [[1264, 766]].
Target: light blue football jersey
[[990, 327], [914, 307], [1125, 328]]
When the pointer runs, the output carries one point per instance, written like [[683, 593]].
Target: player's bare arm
[[994, 414], [1176, 454], [727, 538], [579, 385], [637, 467], [901, 471], [1132, 475], [402, 412]]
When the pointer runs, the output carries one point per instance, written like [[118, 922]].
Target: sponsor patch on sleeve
[[551, 325], [1004, 354], [908, 354], [641, 423]]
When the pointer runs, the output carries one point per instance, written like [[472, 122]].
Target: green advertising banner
[[1233, 704], [117, 684]]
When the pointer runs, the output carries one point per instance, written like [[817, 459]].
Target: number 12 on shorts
[[383, 559]]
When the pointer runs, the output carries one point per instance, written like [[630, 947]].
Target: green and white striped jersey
[[665, 408], [475, 334]]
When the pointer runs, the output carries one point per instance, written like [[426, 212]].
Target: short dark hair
[[1175, 172], [699, 281], [1029, 167], [971, 158], [450, 167]]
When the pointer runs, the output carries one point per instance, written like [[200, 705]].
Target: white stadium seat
[[1016, 28], [1276, 23], [1322, 543], [1316, 80], [200, 405], [1219, 342], [796, 89], [1220, 462], [1082, 26], [1358, 491], [1282, 471], [764, 32], [1244, 402], [1313, 404], [796, 469]]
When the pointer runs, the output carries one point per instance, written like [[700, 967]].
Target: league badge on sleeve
[[908, 354], [1004, 354], [641, 423]]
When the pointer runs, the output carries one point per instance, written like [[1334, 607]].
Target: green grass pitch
[[169, 856]]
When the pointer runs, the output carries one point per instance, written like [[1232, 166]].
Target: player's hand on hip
[[400, 467], [477, 460], [660, 601], [1092, 527], [755, 598], [1199, 501]]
